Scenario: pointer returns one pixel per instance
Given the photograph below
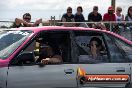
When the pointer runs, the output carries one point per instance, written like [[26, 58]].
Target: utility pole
[[113, 3]]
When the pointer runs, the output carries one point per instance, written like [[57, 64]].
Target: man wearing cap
[[110, 16], [68, 17], [94, 16]]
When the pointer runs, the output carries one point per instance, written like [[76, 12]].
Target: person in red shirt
[[110, 16]]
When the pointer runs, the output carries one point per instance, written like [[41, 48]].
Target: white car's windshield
[[11, 40]]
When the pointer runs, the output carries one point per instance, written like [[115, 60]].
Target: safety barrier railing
[[6, 24], [123, 28]]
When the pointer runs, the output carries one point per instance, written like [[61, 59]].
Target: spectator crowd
[[95, 17], [97, 20]]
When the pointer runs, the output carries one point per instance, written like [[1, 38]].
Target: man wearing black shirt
[[25, 22], [68, 17], [94, 16]]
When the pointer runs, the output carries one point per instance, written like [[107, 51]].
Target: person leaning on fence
[[25, 22], [79, 16], [68, 17], [95, 16], [119, 17], [109, 16], [129, 16]]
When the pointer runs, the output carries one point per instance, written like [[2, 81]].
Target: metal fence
[[123, 28], [6, 24]]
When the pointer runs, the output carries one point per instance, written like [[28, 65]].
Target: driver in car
[[47, 55]]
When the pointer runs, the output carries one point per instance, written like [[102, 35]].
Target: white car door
[[112, 71], [126, 49], [48, 76], [3, 75]]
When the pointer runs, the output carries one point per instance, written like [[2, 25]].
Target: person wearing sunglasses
[[109, 16], [68, 17], [25, 22], [95, 16]]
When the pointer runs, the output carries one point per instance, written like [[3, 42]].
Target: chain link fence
[[123, 28]]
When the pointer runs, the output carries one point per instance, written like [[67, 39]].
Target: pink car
[[23, 49]]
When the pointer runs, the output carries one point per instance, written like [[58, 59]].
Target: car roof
[[38, 29]]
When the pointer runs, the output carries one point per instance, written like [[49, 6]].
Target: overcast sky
[[9, 9]]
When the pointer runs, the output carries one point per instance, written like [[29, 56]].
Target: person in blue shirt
[[79, 16]]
